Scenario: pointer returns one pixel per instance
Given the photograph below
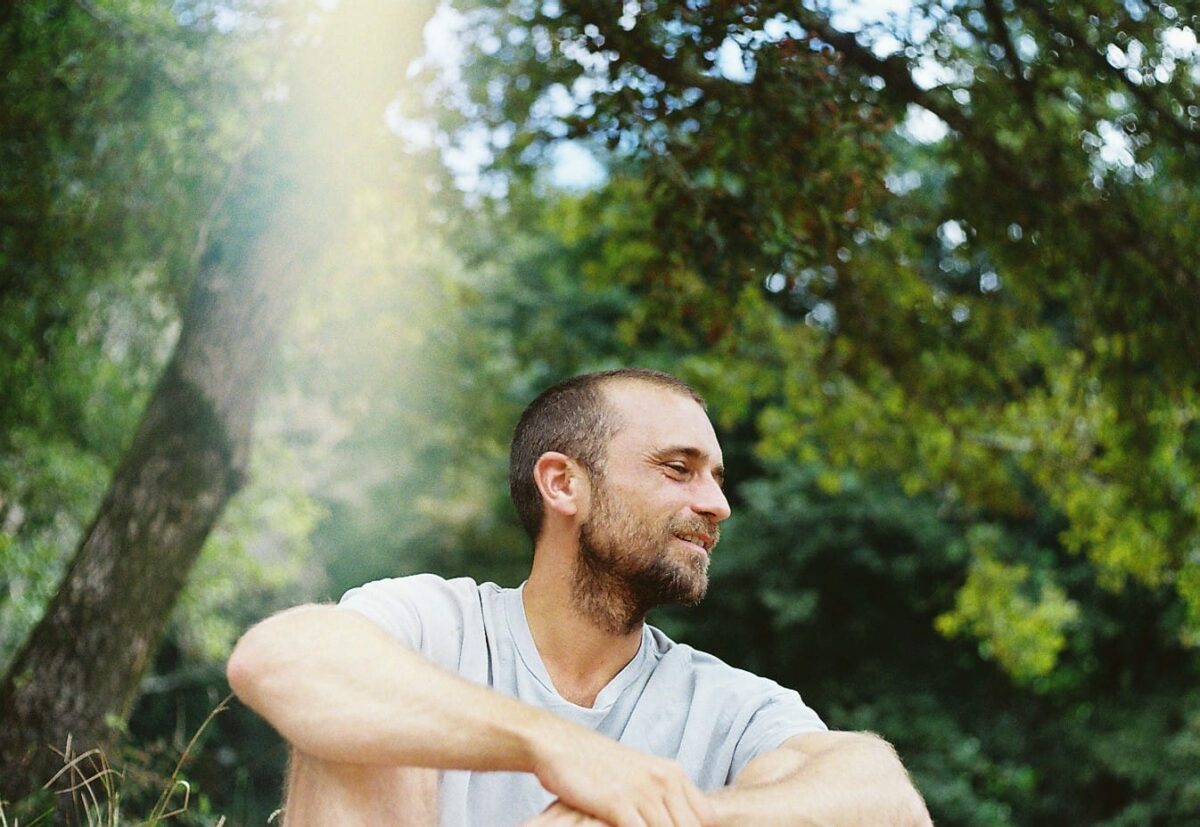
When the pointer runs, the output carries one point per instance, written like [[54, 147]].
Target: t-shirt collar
[[518, 625]]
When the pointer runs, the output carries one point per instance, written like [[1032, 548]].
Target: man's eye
[[677, 467]]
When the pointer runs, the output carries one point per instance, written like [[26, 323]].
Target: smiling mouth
[[702, 541]]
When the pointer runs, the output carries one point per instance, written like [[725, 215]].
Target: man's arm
[[341, 689], [822, 779], [839, 779]]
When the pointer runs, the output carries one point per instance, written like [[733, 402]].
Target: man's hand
[[342, 690], [563, 815], [841, 779], [596, 777]]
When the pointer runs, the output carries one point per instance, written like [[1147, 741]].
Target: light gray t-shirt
[[670, 700]]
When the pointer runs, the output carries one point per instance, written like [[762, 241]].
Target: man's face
[[654, 513]]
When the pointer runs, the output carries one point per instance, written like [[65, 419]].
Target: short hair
[[572, 418]]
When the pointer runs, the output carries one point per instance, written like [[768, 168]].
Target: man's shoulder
[[665, 646], [422, 587], [754, 713], [414, 601], [431, 614], [703, 666]]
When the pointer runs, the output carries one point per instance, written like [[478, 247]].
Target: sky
[[574, 167]]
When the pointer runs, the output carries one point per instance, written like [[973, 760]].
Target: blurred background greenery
[[937, 279]]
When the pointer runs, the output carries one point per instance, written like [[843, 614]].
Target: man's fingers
[[559, 814], [701, 805], [656, 814], [632, 819], [681, 810], [624, 788]]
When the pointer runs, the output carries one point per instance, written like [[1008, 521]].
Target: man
[[555, 704]]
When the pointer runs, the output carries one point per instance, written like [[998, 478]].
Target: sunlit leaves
[[1020, 622], [1007, 324], [122, 125]]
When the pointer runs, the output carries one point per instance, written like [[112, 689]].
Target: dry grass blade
[[94, 811], [182, 808], [160, 809], [88, 770], [86, 783]]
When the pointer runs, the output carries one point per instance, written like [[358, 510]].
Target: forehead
[[654, 418]]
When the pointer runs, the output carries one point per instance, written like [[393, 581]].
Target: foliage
[[853, 582], [123, 126], [117, 140], [98, 794], [829, 580], [953, 368], [1002, 315], [1018, 623]]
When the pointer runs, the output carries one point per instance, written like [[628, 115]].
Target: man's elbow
[[262, 656], [247, 666], [909, 806], [911, 809], [896, 798]]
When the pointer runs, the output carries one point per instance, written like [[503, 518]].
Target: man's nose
[[711, 501]]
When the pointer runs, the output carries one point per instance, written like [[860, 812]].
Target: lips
[[705, 541]]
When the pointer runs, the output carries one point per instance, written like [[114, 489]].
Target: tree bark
[[79, 672]]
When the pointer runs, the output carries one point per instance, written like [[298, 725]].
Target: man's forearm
[[341, 689], [830, 779]]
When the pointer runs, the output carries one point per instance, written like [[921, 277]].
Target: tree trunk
[[78, 674], [79, 671]]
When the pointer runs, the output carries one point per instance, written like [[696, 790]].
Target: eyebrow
[[694, 454]]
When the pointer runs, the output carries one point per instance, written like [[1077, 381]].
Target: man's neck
[[581, 655]]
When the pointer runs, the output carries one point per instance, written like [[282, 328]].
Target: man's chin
[[680, 587], [693, 599], [698, 593], [692, 578]]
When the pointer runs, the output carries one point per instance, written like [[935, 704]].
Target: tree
[[1016, 326], [79, 672], [829, 580], [992, 503]]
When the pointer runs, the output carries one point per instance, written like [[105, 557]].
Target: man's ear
[[562, 483]]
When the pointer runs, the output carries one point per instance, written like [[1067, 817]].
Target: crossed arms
[[342, 690]]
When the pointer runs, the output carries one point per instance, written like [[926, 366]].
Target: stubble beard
[[624, 569]]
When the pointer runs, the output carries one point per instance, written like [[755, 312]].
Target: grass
[[94, 788]]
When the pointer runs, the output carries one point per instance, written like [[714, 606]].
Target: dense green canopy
[[936, 278], [1007, 313]]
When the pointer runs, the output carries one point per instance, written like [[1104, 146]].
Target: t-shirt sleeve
[[423, 611], [781, 715]]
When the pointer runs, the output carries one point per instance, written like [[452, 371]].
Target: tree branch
[[1184, 132], [1125, 237], [1025, 88], [119, 30]]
